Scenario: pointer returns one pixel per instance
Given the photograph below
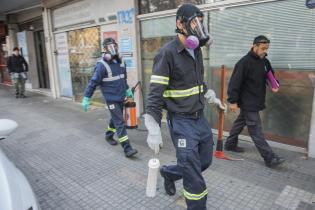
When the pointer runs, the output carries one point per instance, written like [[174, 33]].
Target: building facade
[[25, 30], [73, 32]]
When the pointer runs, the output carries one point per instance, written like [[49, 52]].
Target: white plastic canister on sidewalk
[[154, 165]]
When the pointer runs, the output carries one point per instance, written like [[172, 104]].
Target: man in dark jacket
[[111, 76], [17, 68], [247, 91]]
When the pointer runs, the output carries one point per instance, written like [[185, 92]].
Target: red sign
[[111, 34]]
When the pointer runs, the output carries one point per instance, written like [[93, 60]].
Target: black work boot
[[233, 148], [169, 185], [274, 162], [22, 96], [128, 150], [111, 140]]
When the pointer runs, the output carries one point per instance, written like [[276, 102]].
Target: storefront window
[[154, 34], [84, 51], [292, 52]]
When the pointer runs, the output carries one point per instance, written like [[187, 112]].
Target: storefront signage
[[125, 16], [76, 13], [125, 45]]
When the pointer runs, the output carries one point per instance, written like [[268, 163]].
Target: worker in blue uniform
[[177, 85], [111, 76]]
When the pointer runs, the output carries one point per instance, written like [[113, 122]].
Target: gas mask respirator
[[197, 34], [111, 52]]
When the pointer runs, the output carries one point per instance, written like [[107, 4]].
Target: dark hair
[[108, 41], [16, 48], [261, 40]]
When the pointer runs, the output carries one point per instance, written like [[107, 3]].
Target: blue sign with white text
[[125, 16]]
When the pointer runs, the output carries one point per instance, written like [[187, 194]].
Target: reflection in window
[[84, 52], [149, 48], [154, 34], [292, 52]]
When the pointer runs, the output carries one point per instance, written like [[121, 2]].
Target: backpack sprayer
[[130, 110]]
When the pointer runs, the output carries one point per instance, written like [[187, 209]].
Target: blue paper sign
[[129, 62], [125, 16], [125, 45]]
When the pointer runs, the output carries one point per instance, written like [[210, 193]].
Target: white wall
[[49, 44], [29, 15], [12, 40]]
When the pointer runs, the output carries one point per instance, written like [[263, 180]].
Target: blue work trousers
[[192, 138], [116, 123]]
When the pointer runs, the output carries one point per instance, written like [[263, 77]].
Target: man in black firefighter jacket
[[177, 85], [247, 91]]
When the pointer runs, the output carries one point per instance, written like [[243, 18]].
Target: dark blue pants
[[192, 138], [116, 123]]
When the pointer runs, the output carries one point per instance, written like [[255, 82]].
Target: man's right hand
[[233, 107], [275, 90], [154, 138], [85, 103]]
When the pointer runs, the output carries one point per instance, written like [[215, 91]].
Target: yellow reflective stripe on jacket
[[183, 93], [195, 197], [111, 129], [122, 139], [159, 79]]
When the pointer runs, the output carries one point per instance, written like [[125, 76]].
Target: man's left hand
[[211, 98], [220, 106], [129, 93]]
